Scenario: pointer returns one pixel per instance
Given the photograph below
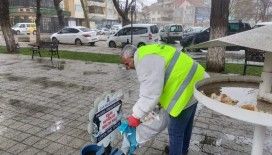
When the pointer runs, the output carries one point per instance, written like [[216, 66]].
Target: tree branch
[[126, 6], [117, 7]]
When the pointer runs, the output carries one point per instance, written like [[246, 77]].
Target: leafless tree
[[38, 21], [218, 24], [146, 15], [262, 9], [6, 27], [242, 9], [86, 12], [123, 8], [59, 13]]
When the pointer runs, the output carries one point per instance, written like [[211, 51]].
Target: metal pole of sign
[[131, 31]]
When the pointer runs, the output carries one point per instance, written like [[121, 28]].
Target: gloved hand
[[133, 122]]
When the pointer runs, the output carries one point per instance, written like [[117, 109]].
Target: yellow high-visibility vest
[[181, 75]]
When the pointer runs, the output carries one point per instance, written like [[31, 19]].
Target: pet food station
[[256, 88]]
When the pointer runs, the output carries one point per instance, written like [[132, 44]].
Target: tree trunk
[[125, 21], [218, 24], [59, 13], [123, 13], [6, 28], [86, 12], [38, 21]]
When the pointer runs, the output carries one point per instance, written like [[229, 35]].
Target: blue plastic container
[[92, 149]]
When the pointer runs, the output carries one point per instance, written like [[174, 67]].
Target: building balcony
[[97, 17], [31, 10], [96, 3]]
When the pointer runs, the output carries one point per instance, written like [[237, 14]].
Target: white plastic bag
[[152, 125], [125, 144]]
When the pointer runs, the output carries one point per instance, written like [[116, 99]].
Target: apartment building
[[185, 12], [101, 12], [25, 11], [192, 12]]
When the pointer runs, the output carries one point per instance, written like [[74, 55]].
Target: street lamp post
[[133, 8]]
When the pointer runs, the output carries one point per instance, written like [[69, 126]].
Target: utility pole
[[132, 9]]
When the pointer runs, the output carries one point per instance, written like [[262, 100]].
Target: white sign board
[[106, 118]]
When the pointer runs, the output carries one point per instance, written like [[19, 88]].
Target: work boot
[[166, 149]]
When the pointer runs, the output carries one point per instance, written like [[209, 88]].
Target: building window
[[96, 10], [31, 3], [102, 1], [47, 4], [22, 3], [78, 8], [45, 23]]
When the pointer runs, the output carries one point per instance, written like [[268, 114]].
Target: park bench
[[52, 47], [253, 58]]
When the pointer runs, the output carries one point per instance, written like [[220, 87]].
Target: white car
[[142, 34], [24, 28], [115, 28], [262, 24], [103, 31], [190, 30], [171, 33], [75, 35]]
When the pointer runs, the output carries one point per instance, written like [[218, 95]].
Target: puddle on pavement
[[49, 84], [16, 78], [87, 88], [54, 96], [38, 80], [245, 93], [46, 83], [32, 108], [5, 74], [11, 77], [6, 63], [208, 140], [94, 73], [48, 64], [89, 62]]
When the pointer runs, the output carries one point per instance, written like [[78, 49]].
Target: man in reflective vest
[[167, 77]]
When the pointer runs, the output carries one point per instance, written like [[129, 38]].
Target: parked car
[[142, 34], [75, 35], [204, 35], [171, 33], [191, 30], [103, 31], [24, 28], [115, 28], [32, 29], [262, 24]]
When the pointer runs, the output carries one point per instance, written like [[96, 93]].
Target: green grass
[[239, 68], [111, 58], [83, 56]]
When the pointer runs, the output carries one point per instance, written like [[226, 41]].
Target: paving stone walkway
[[44, 110]]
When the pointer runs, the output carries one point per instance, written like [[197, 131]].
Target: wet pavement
[[44, 109]]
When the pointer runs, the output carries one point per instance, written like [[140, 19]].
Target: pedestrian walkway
[[44, 109]]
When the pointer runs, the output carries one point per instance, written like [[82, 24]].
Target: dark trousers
[[180, 130]]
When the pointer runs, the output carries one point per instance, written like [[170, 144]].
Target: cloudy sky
[[148, 2]]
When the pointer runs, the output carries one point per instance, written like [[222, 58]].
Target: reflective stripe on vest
[[171, 66], [182, 87]]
